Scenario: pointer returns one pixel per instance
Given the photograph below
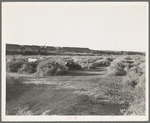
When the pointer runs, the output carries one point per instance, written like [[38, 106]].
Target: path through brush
[[78, 93]]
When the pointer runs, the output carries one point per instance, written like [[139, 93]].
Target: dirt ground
[[83, 92]]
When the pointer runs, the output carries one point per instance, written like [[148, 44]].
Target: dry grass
[[82, 94], [136, 80], [116, 69]]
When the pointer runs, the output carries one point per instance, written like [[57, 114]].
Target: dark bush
[[33, 64], [73, 66], [13, 66], [127, 58]]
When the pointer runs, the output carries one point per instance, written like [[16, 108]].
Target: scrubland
[[104, 85]]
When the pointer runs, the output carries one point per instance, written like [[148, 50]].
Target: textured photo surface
[[75, 61]]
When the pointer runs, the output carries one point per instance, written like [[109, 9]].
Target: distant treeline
[[12, 49]]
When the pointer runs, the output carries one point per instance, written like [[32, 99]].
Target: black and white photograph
[[75, 61]]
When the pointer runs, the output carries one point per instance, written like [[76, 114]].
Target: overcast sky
[[99, 26]]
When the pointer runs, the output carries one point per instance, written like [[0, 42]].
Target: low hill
[[48, 50]]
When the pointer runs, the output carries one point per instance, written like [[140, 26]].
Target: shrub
[[110, 59], [91, 66], [137, 81], [10, 59], [103, 62], [13, 66], [73, 66], [116, 68], [46, 68], [141, 68], [62, 68], [50, 68], [136, 62], [137, 107], [61, 71], [131, 79], [140, 88], [133, 70], [126, 69], [16, 58], [26, 68], [83, 63]]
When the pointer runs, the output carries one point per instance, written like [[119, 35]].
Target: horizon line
[[77, 47]]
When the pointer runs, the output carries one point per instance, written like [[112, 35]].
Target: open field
[[86, 91]]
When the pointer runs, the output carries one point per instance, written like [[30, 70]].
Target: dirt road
[[79, 93]]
